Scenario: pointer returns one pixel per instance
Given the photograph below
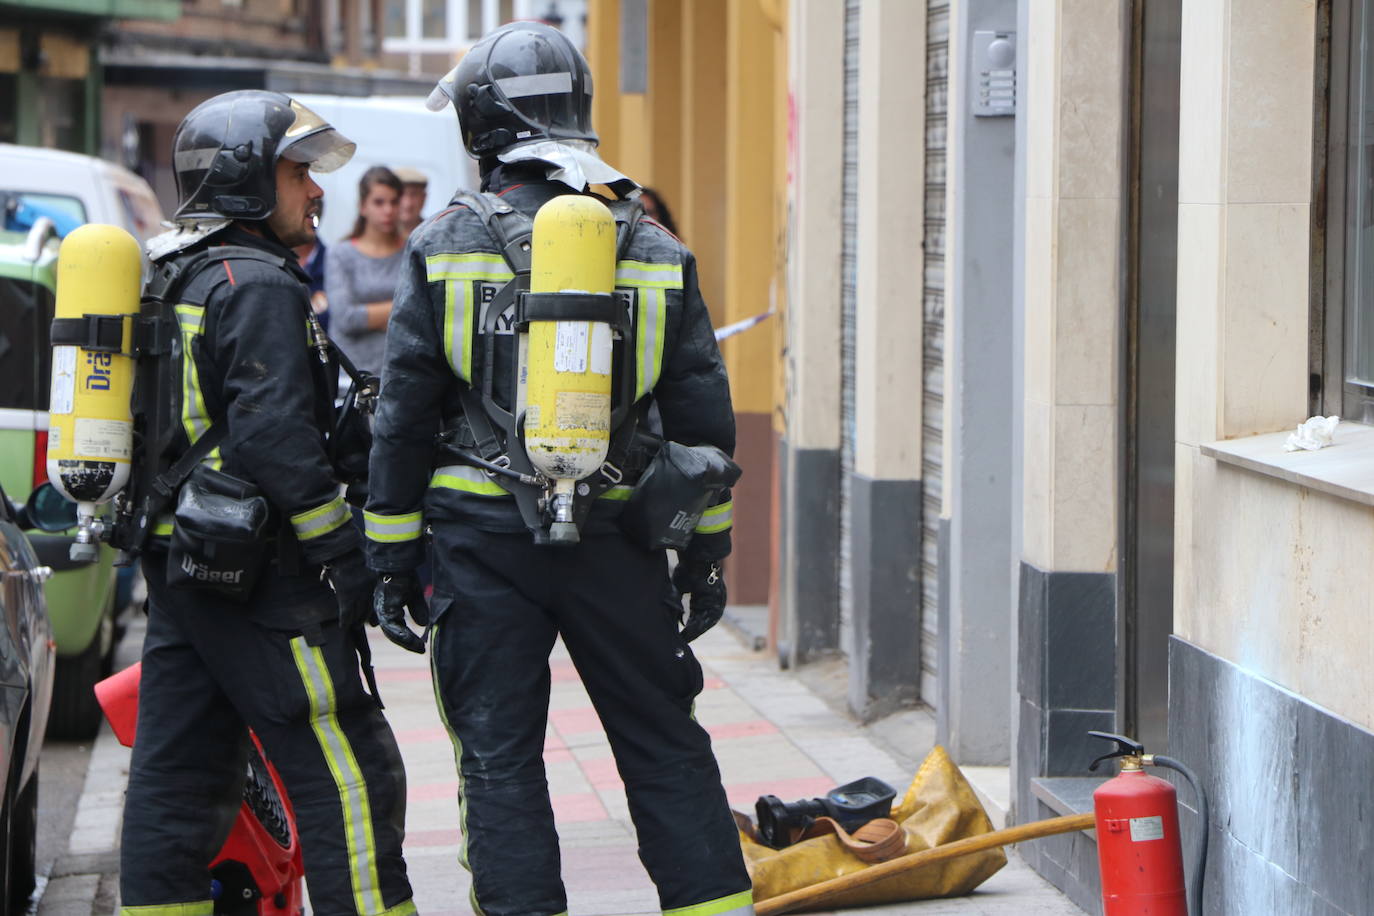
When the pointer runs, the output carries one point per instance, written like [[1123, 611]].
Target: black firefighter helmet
[[226, 150], [525, 81]]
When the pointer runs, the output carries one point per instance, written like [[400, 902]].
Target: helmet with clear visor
[[226, 150], [523, 82]]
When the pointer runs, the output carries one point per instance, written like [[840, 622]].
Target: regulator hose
[[1200, 868]]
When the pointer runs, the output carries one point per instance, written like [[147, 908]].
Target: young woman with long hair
[[361, 271]]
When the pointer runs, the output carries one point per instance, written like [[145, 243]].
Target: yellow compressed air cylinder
[[90, 428], [568, 363]]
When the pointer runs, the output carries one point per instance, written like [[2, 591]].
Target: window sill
[[1345, 468]]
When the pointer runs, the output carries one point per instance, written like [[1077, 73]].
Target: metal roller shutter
[[849, 279], [933, 344]]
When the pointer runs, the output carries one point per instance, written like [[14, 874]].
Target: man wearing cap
[[414, 190]]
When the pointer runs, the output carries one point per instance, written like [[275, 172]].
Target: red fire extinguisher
[[1139, 850]]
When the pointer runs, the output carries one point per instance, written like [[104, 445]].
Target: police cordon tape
[[730, 330]]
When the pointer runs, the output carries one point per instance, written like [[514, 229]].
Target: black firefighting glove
[[699, 575], [396, 593], [352, 582]]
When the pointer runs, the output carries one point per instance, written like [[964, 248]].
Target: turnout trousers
[[499, 604], [209, 673]]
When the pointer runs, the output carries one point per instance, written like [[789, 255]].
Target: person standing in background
[[311, 258], [656, 208], [414, 191], [360, 273]]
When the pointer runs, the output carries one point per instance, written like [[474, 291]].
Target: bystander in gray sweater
[[351, 281]]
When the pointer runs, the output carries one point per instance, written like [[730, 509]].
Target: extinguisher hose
[[1200, 862]]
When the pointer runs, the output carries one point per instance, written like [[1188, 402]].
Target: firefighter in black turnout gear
[[243, 393], [500, 600]]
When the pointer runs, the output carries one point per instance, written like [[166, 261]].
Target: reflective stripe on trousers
[[348, 779]]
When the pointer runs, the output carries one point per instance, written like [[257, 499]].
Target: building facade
[[50, 70], [1053, 280]]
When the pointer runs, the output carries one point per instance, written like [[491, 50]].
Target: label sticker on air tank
[[63, 379], [601, 348], [1147, 828], [570, 347], [108, 439]]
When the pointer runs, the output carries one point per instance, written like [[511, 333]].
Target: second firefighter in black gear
[[285, 661], [500, 600]]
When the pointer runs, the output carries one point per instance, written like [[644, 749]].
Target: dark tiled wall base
[[1066, 669], [1292, 819], [1066, 681], [1068, 861], [811, 509], [885, 532]]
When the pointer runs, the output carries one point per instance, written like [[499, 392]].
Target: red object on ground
[[1138, 846], [263, 839]]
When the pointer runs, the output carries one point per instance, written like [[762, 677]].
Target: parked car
[[73, 189], [26, 683], [80, 596]]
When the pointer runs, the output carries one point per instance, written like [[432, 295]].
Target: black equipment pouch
[[673, 492], [218, 537]]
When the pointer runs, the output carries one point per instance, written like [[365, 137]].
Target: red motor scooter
[[258, 871]]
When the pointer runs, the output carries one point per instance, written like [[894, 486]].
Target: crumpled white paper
[[576, 163], [1312, 434]]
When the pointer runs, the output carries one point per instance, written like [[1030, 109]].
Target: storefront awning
[[110, 9]]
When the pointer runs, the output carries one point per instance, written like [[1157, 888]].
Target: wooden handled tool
[[826, 890]]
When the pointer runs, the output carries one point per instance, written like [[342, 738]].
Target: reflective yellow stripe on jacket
[[195, 417], [651, 283], [717, 518], [321, 520], [459, 273], [392, 529], [466, 479]]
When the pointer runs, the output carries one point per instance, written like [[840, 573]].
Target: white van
[[75, 189], [391, 131]]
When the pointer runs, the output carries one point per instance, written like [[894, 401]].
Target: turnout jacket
[[248, 359], [436, 347]]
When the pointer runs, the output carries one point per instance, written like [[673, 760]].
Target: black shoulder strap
[[627, 214], [169, 481], [508, 227], [166, 288], [511, 229]]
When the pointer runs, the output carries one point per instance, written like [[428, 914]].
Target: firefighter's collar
[[573, 162], [182, 234]]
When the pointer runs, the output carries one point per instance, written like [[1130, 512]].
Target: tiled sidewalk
[[771, 735]]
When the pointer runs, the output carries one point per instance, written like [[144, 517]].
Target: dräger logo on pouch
[[203, 573], [685, 521]]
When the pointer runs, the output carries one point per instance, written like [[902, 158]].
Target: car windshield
[[24, 208]]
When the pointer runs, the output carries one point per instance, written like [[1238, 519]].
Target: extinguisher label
[[1147, 828]]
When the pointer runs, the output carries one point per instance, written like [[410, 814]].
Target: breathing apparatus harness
[[492, 428], [158, 349]]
